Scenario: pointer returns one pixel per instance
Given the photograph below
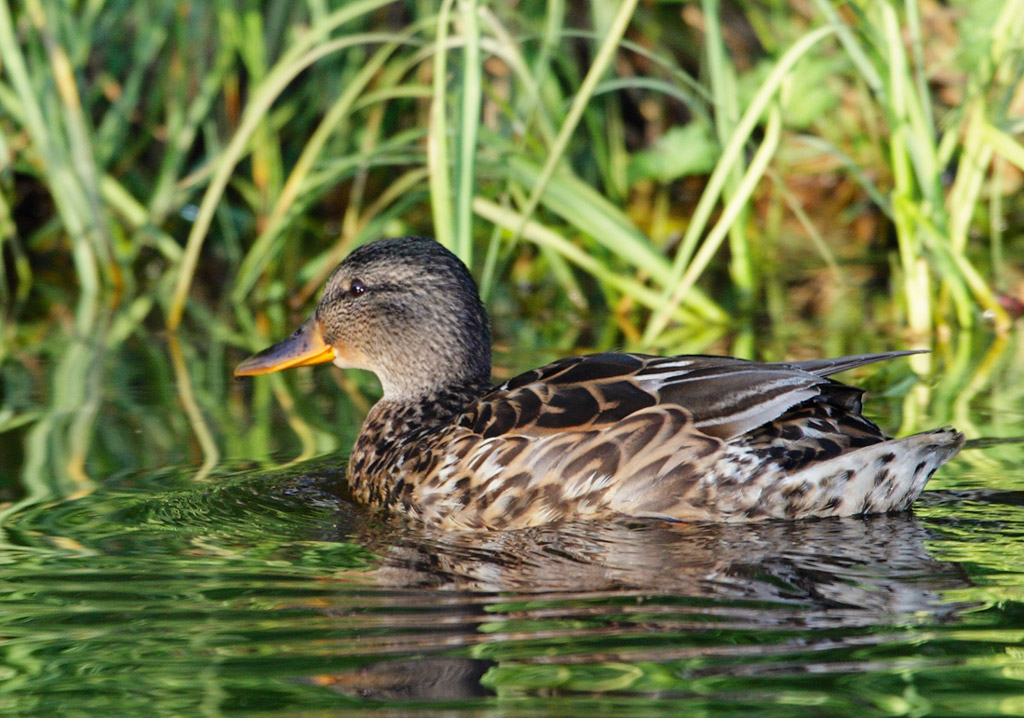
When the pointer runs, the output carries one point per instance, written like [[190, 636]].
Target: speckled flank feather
[[592, 437]]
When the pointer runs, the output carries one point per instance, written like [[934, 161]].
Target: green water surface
[[249, 585]]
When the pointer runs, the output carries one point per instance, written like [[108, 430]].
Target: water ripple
[[274, 591]]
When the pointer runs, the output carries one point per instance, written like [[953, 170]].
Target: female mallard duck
[[588, 437]]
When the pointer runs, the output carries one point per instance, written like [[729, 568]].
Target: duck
[[594, 437]]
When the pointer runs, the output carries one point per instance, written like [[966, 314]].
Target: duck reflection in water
[[875, 565], [642, 591]]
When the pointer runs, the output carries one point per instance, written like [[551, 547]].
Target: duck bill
[[306, 346]]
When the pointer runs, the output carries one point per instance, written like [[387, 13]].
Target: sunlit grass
[[293, 113]]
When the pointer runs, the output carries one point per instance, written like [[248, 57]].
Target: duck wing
[[724, 396]]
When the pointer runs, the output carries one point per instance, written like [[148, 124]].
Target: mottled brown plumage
[[591, 437]]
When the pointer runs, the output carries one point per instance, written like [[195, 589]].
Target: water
[[262, 590]]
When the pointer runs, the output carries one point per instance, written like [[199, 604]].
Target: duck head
[[406, 309]]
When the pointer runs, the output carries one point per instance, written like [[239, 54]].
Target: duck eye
[[357, 288]]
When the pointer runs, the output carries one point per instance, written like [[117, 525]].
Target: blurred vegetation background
[[178, 178]]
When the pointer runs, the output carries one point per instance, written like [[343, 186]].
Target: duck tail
[[880, 478]]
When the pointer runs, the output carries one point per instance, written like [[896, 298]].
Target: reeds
[[257, 126], [260, 119]]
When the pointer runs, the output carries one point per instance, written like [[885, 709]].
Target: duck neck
[[398, 435], [441, 369], [436, 408]]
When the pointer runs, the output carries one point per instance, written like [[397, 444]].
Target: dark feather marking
[[755, 512], [865, 507], [791, 432], [483, 418], [512, 449], [570, 408], [640, 429], [702, 446], [769, 431], [794, 491], [891, 489], [602, 459], [622, 398], [504, 419], [515, 506], [595, 499], [819, 425], [829, 449], [549, 373], [527, 377], [528, 405], [554, 497], [478, 461], [550, 454], [849, 398], [654, 468], [596, 367], [484, 499], [792, 509], [880, 478], [518, 480]]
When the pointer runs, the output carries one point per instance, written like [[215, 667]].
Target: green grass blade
[[469, 123], [731, 154], [437, 140], [716, 236], [263, 97], [582, 98]]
